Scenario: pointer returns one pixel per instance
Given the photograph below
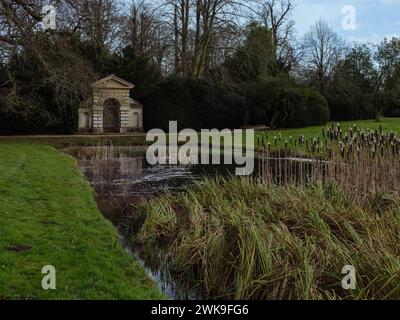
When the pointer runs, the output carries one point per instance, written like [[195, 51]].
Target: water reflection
[[125, 174]]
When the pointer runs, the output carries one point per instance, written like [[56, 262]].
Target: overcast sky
[[375, 19]]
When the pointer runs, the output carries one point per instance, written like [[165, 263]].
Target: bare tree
[[202, 33], [323, 49], [96, 20], [18, 20], [215, 19], [276, 15], [180, 11], [145, 32]]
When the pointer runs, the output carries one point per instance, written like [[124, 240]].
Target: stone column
[[124, 110], [124, 120], [97, 114], [97, 121]]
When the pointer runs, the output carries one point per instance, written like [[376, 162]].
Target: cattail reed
[[362, 162]]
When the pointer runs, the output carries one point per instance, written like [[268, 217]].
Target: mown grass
[[315, 132], [239, 239], [47, 209], [387, 124]]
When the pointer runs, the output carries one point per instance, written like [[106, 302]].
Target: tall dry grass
[[362, 162], [242, 239]]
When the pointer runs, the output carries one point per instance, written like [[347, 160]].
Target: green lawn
[[48, 216], [388, 124]]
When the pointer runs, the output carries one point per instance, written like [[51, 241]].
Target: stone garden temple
[[110, 109]]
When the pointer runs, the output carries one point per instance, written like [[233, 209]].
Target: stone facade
[[110, 109]]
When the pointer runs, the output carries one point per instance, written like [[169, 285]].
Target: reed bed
[[362, 162], [315, 206], [240, 239]]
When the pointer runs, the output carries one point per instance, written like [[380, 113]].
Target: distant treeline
[[192, 64]]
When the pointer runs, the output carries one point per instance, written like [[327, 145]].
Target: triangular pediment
[[112, 82]]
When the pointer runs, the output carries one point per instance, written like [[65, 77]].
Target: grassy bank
[[48, 216], [282, 138], [387, 124], [239, 239]]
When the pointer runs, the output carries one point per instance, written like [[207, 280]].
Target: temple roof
[[112, 81]]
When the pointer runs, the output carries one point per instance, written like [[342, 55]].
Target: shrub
[[392, 102], [196, 104], [349, 101], [317, 107], [280, 102]]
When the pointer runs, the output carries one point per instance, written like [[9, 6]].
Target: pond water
[[122, 173], [121, 176]]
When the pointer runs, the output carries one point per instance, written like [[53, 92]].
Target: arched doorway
[[111, 115]]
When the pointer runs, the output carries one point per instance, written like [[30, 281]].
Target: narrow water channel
[[121, 176]]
